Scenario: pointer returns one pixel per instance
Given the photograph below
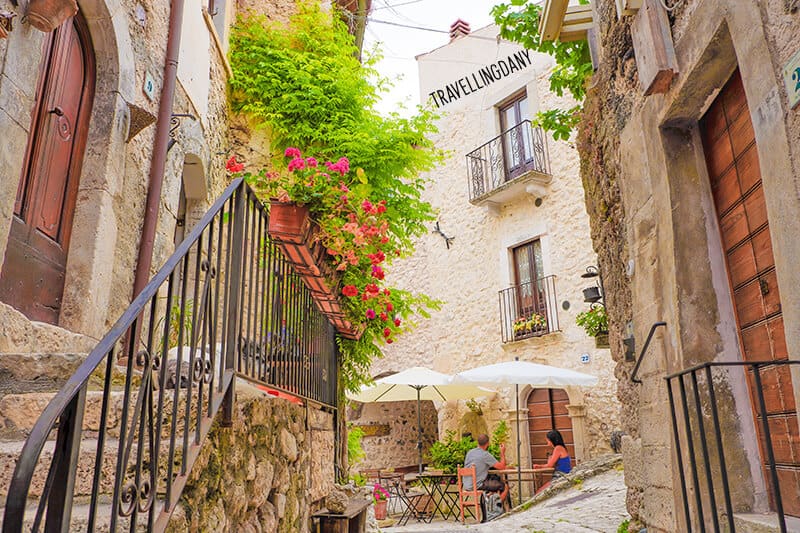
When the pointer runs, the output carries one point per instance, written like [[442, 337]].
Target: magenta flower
[[292, 152], [370, 314], [311, 162]]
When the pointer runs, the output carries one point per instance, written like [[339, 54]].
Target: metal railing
[[529, 309], [513, 153], [225, 304], [704, 419]]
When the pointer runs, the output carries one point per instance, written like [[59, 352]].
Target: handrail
[[653, 328], [226, 280]]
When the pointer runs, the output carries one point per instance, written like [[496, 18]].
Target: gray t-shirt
[[483, 462]]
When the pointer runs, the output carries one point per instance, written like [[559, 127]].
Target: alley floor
[[597, 504]]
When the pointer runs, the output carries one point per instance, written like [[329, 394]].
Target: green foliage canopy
[[305, 86], [519, 22]]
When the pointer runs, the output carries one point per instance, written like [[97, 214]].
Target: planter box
[[291, 227], [601, 341]]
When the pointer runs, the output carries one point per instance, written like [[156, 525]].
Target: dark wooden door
[[732, 161], [547, 410], [517, 143], [528, 269], [32, 278]]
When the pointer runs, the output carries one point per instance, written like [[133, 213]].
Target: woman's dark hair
[[555, 437]]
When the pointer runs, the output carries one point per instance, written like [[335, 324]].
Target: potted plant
[[595, 322], [380, 498], [535, 323]]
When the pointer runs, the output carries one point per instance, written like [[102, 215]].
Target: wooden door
[[32, 277], [733, 168], [547, 410], [528, 269], [517, 143]]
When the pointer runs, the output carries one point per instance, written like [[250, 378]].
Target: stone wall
[[395, 423], [467, 277], [266, 473], [655, 229]]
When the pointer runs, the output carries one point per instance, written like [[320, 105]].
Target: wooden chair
[[469, 498]]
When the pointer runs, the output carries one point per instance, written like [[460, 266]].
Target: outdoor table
[[436, 486], [528, 474]]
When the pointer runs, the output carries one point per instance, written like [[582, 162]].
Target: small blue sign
[[585, 358]]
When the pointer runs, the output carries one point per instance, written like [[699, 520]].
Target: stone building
[[509, 246], [690, 150], [80, 108]]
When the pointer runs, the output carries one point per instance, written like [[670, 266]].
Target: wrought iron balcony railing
[[529, 309], [225, 305], [709, 461], [516, 153]]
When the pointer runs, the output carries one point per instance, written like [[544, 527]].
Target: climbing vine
[[519, 22], [305, 86]]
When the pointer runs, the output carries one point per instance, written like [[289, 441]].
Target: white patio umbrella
[[418, 383], [523, 373]]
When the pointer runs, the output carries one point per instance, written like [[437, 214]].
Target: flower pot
[[380, 510], [47, 15], [601, 340]]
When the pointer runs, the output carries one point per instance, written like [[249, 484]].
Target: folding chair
[[469, 498], [414, 504]]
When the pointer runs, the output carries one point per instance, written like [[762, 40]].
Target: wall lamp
[[596, 293]]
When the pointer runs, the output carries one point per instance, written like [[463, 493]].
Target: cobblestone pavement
[[598, 504]]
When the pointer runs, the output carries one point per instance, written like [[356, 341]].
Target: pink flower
[[370, 314], [386, 331], [344, 164], [377, 272], [366, 205], [384, 317], [298, 163], [292, 152], [311, 162], [343, 187], [389, 306]]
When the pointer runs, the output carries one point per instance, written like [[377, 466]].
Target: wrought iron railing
[[514, 153], [529, 309], [225, 304], [702, 415]]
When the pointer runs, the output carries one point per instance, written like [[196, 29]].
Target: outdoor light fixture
[[593, 295]]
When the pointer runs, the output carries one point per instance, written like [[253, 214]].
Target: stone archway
[[94, 232]]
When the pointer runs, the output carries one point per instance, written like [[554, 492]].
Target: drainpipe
[[158, 161]]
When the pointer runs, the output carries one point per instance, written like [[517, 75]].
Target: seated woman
[[559, 460]]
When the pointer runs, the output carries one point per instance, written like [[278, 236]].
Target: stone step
[[40, 372], [763, 523], [10, 451], [80, 517]]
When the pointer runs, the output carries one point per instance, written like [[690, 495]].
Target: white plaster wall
[[468, 276], [194, 62]]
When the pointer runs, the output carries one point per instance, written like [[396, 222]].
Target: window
[[529, 271]]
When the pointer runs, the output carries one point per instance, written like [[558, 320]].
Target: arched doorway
[[34, 269], [547, 409]]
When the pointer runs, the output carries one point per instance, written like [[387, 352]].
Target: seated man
[[485, 461]]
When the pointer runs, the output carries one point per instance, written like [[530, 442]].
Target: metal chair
[[414, 504], [469, 498]]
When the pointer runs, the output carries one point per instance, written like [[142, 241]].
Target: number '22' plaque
[[791, 77]]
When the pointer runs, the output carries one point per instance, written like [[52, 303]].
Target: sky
[[400, 45]]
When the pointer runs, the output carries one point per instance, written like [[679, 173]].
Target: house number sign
[[791, 78]]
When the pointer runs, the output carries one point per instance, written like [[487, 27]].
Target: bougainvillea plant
[[358, 238]]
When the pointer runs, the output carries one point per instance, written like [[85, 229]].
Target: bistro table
[[436, 485]]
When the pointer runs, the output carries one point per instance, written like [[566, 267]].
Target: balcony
[[529, 309], [513, 163]]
